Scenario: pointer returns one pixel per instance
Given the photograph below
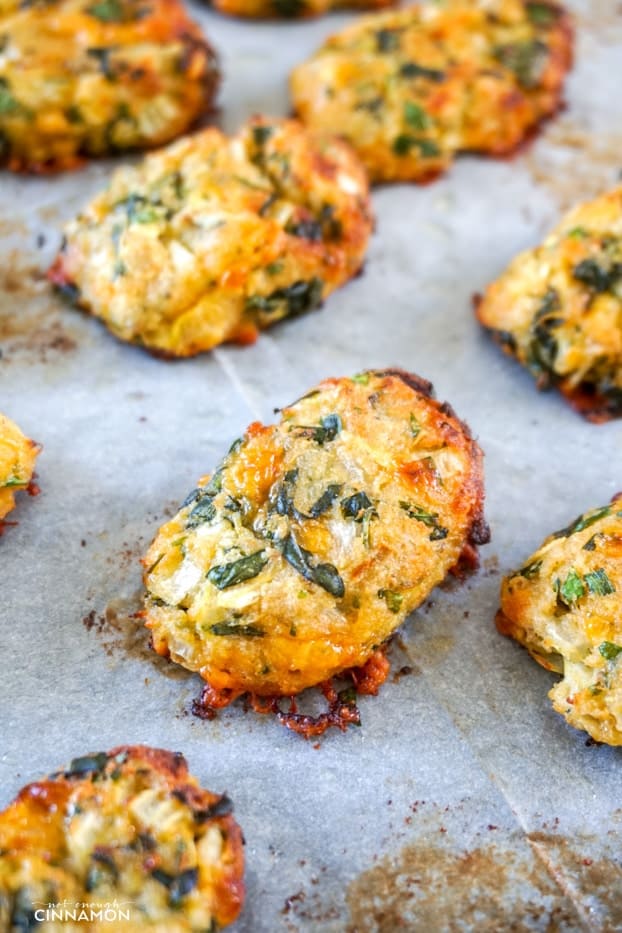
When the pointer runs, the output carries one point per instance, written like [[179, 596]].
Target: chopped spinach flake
[[295, 299], [403, 143], [178, 885], [543, 347], [325, 575], [541, 14], [415, 427], [102, 56], [87, 764], [530, 570], [526, 59], [326, 500], [591, 544], [108, 11], [327, 430], [392, 598], [233, 627], [261, 134], [387, 40], [356, 505], [609, 650], [361, 379], [571, 590], [225, 575], [429, 519], [596, 277], [347, 696], [306, 230], [415, 116], [203, 512], [8, 103], [583, 522], [413, 70], [578, 233], [599, 583]]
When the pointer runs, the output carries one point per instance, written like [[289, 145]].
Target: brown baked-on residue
[[81, 78], [314, 539], [129, 827]]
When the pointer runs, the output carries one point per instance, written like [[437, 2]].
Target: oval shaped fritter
[[215, 237], [292, 9], [90, 77], [565, 606], [17, 462], [410, 89], [130, 827], [316, 537], [558, 308]]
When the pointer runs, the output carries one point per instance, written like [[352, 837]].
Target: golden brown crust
[[315, 537], [17, 462], [410, 89], [141, 74], [565, 606], [129, 826], [216, 237], [557, 308]]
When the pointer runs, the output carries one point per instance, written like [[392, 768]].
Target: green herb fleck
[[429, 519], [392, 598], [291, 300], [527, 59], [225, 575], [583, 522], [413, 70], [8, 103], [326, 500], [233, 627], [541, 14], [325, 575], [609, 650], [361, 379], [599, 583], [572, 589], [415, 116], [88, 764], [415, 427], [403, 143], [530, 570]]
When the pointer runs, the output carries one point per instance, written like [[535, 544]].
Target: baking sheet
[[463, 802]]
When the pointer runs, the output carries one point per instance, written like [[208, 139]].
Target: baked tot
[[558, 308], [92, 77], [565, 606], [410, 89], [292, 9], [17, 463], [315, 537], [215, 237], [129, 828]]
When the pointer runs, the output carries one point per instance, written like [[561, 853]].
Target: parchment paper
[[463, 802]]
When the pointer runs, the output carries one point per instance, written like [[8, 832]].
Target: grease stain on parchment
[[575, 163], [123, 634], [30, 317], [426, 887]]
